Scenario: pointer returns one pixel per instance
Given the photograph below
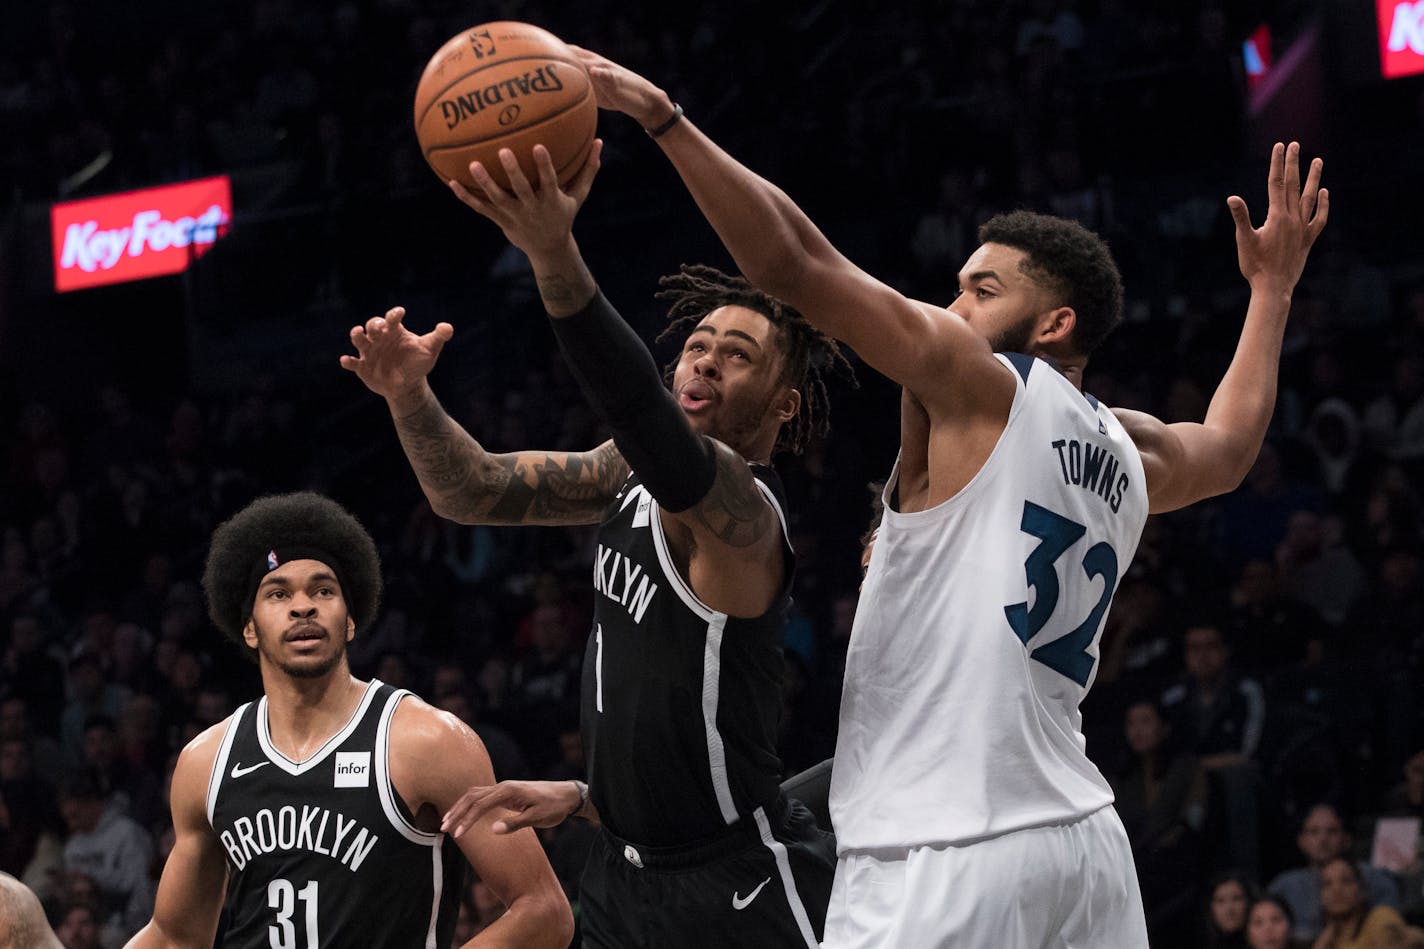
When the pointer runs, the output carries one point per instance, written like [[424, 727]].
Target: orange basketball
[[504, 85]]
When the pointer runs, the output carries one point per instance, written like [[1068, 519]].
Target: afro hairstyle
[[301, 519]]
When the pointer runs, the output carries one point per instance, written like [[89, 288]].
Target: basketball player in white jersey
[[965, 810], [315, 810]]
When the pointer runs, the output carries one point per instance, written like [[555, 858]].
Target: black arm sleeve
[[622, 383]]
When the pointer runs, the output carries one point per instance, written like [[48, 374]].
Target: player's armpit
[[1185, 462], [729, 545], [734, 512], [434, 759], [194, 881]]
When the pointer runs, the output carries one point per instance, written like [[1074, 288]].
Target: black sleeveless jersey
[[325, 853], [680, 703]]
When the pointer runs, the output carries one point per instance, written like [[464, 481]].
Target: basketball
[[504, 85]]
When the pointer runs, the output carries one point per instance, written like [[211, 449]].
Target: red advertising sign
[[137, 234], [1256, 53], [1401, 36]]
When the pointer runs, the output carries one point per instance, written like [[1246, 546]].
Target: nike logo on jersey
[[238, 770], [739, 903]]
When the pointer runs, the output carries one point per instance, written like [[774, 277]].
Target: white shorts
[[1069, 886]]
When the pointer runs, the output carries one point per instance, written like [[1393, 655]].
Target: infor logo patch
[[353, 769]]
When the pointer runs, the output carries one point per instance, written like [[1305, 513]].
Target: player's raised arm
[[780, 250], [512, 864], [194, 881], [462, 481], [1187, 461], [705, 486]]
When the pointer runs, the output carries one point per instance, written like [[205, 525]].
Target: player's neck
[[1069, 367], [303, 713]]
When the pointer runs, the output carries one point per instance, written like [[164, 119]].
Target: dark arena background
[[138, 415]]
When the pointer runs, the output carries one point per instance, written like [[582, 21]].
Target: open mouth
[[696, 395]]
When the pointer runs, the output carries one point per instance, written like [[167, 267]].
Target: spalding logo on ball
[[504, 85]]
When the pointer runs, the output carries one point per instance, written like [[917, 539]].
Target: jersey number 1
[[1066, 655], [282, 897]]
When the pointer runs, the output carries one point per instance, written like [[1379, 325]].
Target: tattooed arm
[[464, 482], [469, 485]]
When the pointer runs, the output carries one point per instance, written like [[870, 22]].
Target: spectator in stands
[[1317, 569], [1219, 715], [27, 811], [1406, 799], [1265, 628], [112, 849], [1269, 923], [79, 928], [31, 673], [1161, 801], [1395, 420], [1323, 839], [1229, 896], [1351, 920], [47, 757], [130, 787], [90, 695]]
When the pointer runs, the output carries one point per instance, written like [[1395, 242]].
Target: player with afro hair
[[275, 530]]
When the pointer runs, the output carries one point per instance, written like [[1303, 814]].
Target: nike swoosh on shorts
[[739, 903]]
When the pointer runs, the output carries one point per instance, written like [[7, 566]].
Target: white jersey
[[977, 633]]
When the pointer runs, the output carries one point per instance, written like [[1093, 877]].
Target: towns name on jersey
[[1093, 469], [623, 581], [317, 829]]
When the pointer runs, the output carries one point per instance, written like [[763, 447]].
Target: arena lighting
[[1401, 37], [1256, 53], [134, 235]]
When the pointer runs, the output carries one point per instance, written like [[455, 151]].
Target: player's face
[[1228, 906], [1001, 302], [728, 378], [1268, 927], [1339, 890], [299, 620]]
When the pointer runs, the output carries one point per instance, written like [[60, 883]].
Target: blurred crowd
[[1257, 704]]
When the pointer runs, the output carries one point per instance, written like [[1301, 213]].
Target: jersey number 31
[[1068, 654]]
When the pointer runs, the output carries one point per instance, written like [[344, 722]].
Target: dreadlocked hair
[[809, 355]]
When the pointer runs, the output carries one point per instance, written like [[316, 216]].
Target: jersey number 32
[[1068, 654]]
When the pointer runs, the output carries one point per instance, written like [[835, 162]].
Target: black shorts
[[766, 882]]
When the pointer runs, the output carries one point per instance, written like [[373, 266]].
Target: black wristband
[[620, 380], [661, 129]]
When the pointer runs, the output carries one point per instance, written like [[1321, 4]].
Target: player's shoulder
[[416, 724], [202, 750], [194, 768]]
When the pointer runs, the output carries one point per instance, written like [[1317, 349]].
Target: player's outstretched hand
[[1273, 255], [529, 803], [390, 359], [537, 221], [620, 89]]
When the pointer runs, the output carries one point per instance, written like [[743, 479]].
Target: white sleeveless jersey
[[977, 634]]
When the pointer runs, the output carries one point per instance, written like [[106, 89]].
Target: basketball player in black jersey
[[316, 809], [682, 676]]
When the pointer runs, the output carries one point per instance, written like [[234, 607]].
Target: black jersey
[[680, 703], [325, 852]]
